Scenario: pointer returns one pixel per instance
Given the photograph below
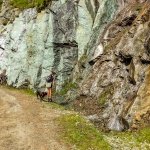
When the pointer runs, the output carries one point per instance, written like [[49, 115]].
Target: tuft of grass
[[79, 132]]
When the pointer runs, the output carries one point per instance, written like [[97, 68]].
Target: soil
[[27, 124]]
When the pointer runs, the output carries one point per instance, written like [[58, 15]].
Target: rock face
[[35, 43], [101, 45]]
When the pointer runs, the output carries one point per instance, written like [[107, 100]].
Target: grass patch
[[144, 135], [25, 91], [77, 131], [23, 4], [53, 105], [140, 136]]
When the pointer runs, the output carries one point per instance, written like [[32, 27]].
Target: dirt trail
[[26, 124]]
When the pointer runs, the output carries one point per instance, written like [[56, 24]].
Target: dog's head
[[43, 94]]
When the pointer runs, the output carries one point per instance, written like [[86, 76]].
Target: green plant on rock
[[83, 59], [66, 87], [105, 95], [79, 132]]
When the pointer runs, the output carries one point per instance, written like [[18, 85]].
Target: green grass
[[53, 105], [26, 91], [144, 135], [22, 4], [138, 136], [79, 132]]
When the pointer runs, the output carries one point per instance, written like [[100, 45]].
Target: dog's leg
[[37, 95], [41, 98]]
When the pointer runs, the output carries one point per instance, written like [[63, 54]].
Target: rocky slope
[[102, 46], [115, 80]]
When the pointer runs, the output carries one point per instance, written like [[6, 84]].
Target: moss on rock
[[105, 95], [66, 87], [23, 4]]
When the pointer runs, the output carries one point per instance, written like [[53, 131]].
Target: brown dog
[[41, 93]]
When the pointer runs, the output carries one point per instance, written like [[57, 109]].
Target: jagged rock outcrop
[[33, 41], [116, 79], [100, 45]]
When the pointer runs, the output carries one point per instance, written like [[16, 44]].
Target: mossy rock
[[105, 95]]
